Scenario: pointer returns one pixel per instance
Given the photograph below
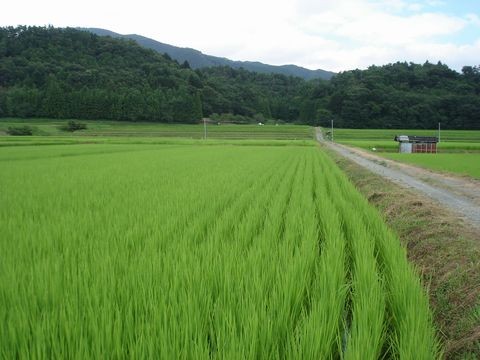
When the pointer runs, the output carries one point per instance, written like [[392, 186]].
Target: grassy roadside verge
[[445, 251]]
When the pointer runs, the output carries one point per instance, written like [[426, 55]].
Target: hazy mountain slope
[[197, 59]]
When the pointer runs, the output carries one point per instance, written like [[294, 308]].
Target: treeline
[[67, 73]]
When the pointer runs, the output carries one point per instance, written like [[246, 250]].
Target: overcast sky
[[333, 35]]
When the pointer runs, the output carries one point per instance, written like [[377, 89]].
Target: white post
[[205, 128], [438, 132], [332, 131]]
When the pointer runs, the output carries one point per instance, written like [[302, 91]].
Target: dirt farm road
[[462, 196]]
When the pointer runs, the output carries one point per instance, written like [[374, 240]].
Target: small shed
[[417, 144]]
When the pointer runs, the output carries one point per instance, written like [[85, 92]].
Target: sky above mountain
[[334, 35]]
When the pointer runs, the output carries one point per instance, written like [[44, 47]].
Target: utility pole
[[205, 128], [332, 132], [438, 132]]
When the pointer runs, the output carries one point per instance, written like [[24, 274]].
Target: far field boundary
[[467, 208]]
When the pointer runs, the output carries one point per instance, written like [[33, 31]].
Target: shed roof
[[416, 139]]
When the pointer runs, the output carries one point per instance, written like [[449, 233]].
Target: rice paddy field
[[115, 129], [189, 250]]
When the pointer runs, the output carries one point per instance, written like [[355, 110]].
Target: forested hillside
[[400, 95], [67, 73]]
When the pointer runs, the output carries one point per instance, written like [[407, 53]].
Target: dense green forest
[[401, 95], [68, 73]]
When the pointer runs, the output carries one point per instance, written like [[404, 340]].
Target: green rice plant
[[366, 333], [412, 334], [186, 250], [319, 333]]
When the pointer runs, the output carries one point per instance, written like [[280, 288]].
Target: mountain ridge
[[197, 59]]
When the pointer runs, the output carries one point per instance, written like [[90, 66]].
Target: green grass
[[463, 164], [48, 127], [192, 251]]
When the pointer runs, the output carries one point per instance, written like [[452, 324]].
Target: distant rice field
[[47, 127]]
